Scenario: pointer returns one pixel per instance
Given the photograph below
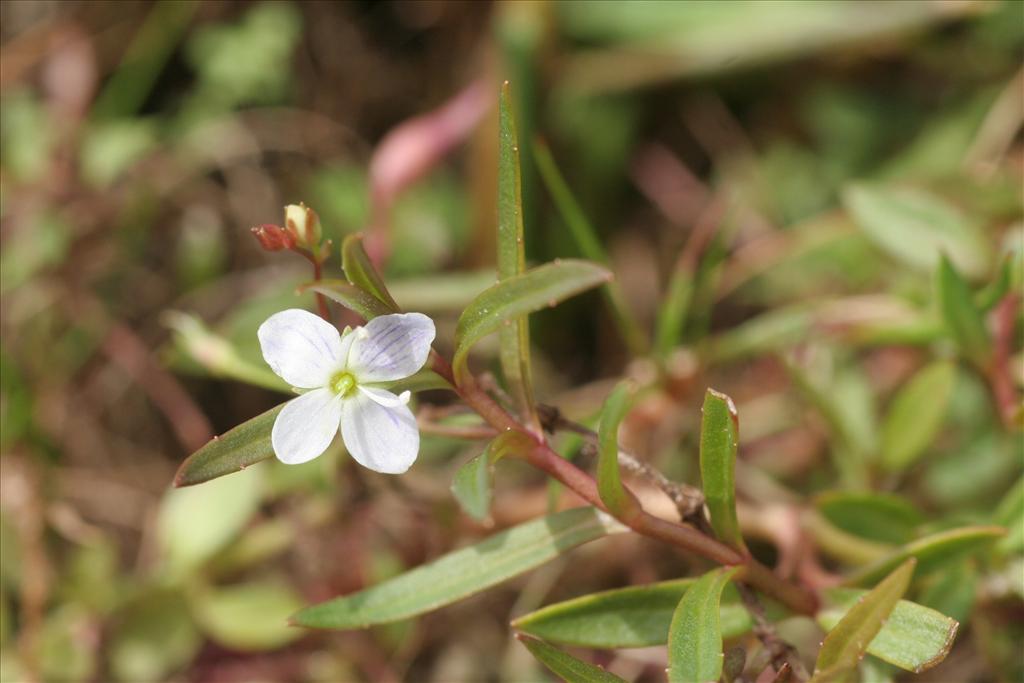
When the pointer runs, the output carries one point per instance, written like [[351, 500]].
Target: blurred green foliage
[[867, 162]]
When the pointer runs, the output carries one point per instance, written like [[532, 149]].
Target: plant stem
[[687, 499], [782, 653], [688, 538], [1000, 379], [317, 263]]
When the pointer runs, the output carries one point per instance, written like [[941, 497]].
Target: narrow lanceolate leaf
[[609, 485], [695, 636], [515, 339], [847, 642], [882, 517], [964, 320], [674, 311], [538, 288], [931, 552], [463, 572], [564, 665], [590, 246], [917, 227], [473, 481], [638, 616], [913, 638], [991, 294], [916, 415], [719, 442], [360, 272], [1010, 514], [351, 297], [245, 445]]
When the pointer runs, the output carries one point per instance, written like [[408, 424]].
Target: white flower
[[340, 370]]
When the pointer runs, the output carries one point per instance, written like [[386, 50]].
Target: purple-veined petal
[[306, 426], [383, 439], [391, 347], [304, 349]]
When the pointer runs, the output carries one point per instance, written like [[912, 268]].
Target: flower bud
[[304, 225], [273, 237]]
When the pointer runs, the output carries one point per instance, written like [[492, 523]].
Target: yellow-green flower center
[[343, 383]]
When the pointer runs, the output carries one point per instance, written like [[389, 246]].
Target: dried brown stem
[[783, 655], [688, 500]]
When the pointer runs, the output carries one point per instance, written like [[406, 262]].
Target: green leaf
[[195, 523], [515, 339], [59, 648], [916, 227], [914, 637], [424, 379], [674, 310], [847, 641], [838, 544], [218, 355], [245, 445], [471, 486], [473, 481], [350, 296], [851, 427], [154, 635], [618, 500], [931, 552], [695, 637], [719, 441], [771, 331], [916, 415], [360, 272], [1010, 514], [249, 617], [637, 616], [463, 572], [964, 319], [882, 517], [991, 294], [566, 666], [589, 244], [952, 591], [511, 251], [540, 287], [441, 292]]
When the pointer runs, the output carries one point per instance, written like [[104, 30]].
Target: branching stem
[[682, 536]]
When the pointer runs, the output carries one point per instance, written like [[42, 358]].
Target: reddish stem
[[999, 369], [317, 263], [542, 457]]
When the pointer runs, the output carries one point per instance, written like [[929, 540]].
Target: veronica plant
[[346, 379]]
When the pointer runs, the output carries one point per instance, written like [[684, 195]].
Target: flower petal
[[385, 398], [306, 426], [391, 347], [383, 439], [304, 349]]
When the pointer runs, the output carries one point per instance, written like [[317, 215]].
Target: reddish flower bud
[[273, 237]]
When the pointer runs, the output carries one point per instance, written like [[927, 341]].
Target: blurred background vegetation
[[834, 148]]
